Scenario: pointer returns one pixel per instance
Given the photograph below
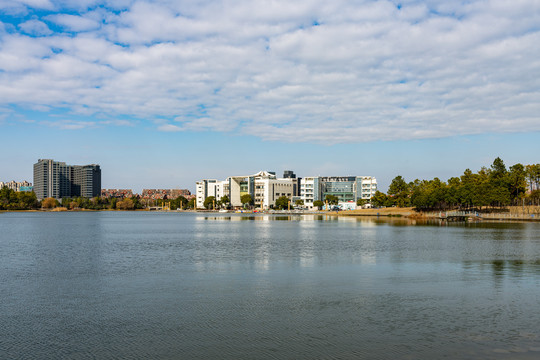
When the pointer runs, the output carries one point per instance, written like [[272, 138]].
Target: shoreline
[[518, 213], [513, 213]]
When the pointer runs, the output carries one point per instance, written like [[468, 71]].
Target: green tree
[[192, 204], [299, 202], [429, 195], [246, 200], [516, 181], [137, 203], [12, 200], [318, 203], [27, 199], [534, 197], [282, 203], [399, 192], [466, 188], [7, 197], [179, 203], [379, 199], [498, 169], [532, 173], [452, 192], [361, 202], [225, 200], [398, 186], [332, 199], [209, 202]]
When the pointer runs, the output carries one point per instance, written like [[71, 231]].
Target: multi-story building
[[116, 193], [86, 181], [209, 187], [57, 180], [346, 188], [17, 185], [368, 188], [164, 193], [264, 188]]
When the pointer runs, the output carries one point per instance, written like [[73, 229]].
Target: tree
[[49, 203], [209, 202], [516, 181], [26, 200], [179, 203], [379, 199], [498, 169], [7, 197], [318, 203], [534, 197], [225, 199], [125, 204], [12, 200], [429, 195], [246, 199], [533, 176], [192, 204], [299, 202], [398, 186], [399, 192], [361, 202], [332, 199], [282, 203]]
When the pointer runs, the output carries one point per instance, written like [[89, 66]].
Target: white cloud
[[69, 124], [169, 128], [309, 70], [117, 122], [20, 6], [35, 28], [74, 22]]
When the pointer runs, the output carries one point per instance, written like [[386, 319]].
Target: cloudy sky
[[162, 93]]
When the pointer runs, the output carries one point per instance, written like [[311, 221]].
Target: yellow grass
[[391, 211], [516, 212]]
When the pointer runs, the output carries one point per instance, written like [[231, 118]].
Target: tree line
[[13, 200], [17, 200], [493, 187]]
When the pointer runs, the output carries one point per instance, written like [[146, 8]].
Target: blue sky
[[163, 93]]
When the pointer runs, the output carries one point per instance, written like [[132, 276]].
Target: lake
[[144, 285]]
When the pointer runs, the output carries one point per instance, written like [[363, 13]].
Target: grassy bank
[[391, 211], [508, 213]]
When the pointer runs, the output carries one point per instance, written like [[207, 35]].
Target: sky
[[164, 93]]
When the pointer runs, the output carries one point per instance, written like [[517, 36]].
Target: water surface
[[197, 286]]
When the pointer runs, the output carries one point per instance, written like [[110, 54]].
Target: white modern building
[[209, 187], [264, 187], [348, 189]]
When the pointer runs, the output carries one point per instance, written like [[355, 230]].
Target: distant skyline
[[164, 93]]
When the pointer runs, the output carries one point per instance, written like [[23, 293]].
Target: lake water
[[139, 285]]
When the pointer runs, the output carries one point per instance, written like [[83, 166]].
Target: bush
[[49, 203], [126, 204]]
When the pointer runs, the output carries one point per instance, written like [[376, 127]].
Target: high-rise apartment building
[[57, 180], [86, 181]]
